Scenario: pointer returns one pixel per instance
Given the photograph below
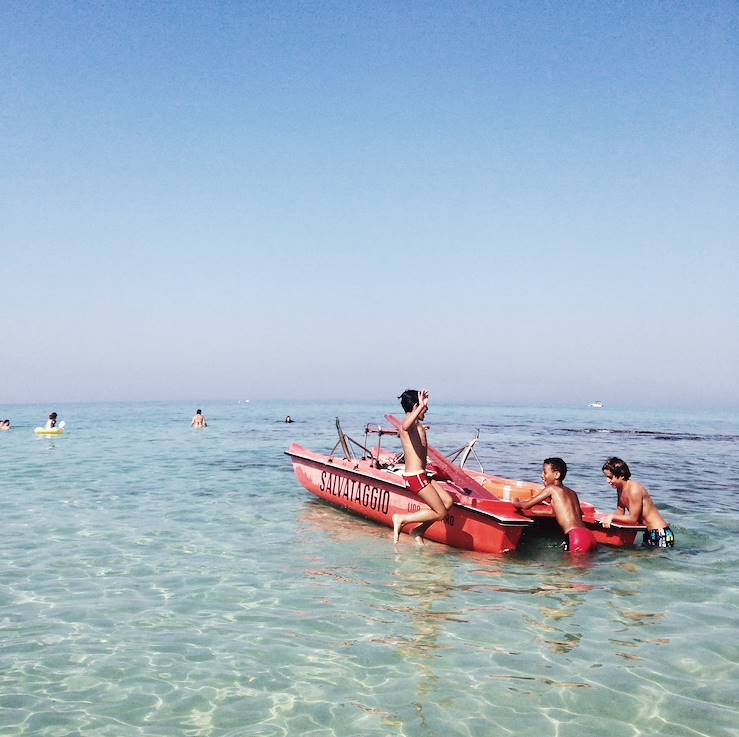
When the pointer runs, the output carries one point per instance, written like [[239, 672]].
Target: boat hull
[[472, 524]]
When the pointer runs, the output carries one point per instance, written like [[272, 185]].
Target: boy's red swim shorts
[[580, 540], [416, 482]]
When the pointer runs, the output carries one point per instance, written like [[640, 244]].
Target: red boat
[[482, 517]]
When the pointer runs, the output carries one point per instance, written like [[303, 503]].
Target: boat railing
[[380, 430], [462, 455], [345, 443]]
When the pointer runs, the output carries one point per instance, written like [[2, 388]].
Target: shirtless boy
[[199, 419], [565, 504], [632, 496], [415, 402]]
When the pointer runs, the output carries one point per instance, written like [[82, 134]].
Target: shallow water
[[159, 580]]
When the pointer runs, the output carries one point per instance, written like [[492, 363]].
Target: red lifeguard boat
[[482, 517]]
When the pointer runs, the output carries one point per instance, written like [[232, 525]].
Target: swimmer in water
[[634, 504]]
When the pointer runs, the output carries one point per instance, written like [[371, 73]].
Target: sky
[[507, 202]]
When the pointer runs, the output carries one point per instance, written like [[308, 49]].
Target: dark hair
[[617, 467], [409, 399], [557, 464], [52, 416], [199, 412]]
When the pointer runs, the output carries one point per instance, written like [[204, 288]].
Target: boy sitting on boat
[[634, 497], [415, 403], [565, 504]]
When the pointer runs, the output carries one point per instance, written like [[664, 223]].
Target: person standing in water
[[634, 504], [199, 419], [412, 433], [565, 505]]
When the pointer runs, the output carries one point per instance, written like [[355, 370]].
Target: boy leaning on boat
[[565, 504], [415, 403], [635, 505]]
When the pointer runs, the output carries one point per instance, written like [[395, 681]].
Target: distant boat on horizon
[[597, 405]]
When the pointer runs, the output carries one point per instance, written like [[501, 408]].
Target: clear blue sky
[[518, 202]]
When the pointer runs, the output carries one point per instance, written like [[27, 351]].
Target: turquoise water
[[159, 580]]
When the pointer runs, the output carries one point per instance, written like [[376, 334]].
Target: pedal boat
[[372, 487], [482, 518]]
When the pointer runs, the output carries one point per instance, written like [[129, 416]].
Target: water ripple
[[156, 581]]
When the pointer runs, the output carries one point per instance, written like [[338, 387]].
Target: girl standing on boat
[[415, 403]]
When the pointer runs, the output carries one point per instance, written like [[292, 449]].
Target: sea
[[165, 581]]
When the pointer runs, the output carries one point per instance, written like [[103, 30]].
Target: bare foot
[[397, 527], [417, 536]]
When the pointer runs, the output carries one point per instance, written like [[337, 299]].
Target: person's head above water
[[558, 465], [288, 419], [198, 411], [617, 468], [409, 399]]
